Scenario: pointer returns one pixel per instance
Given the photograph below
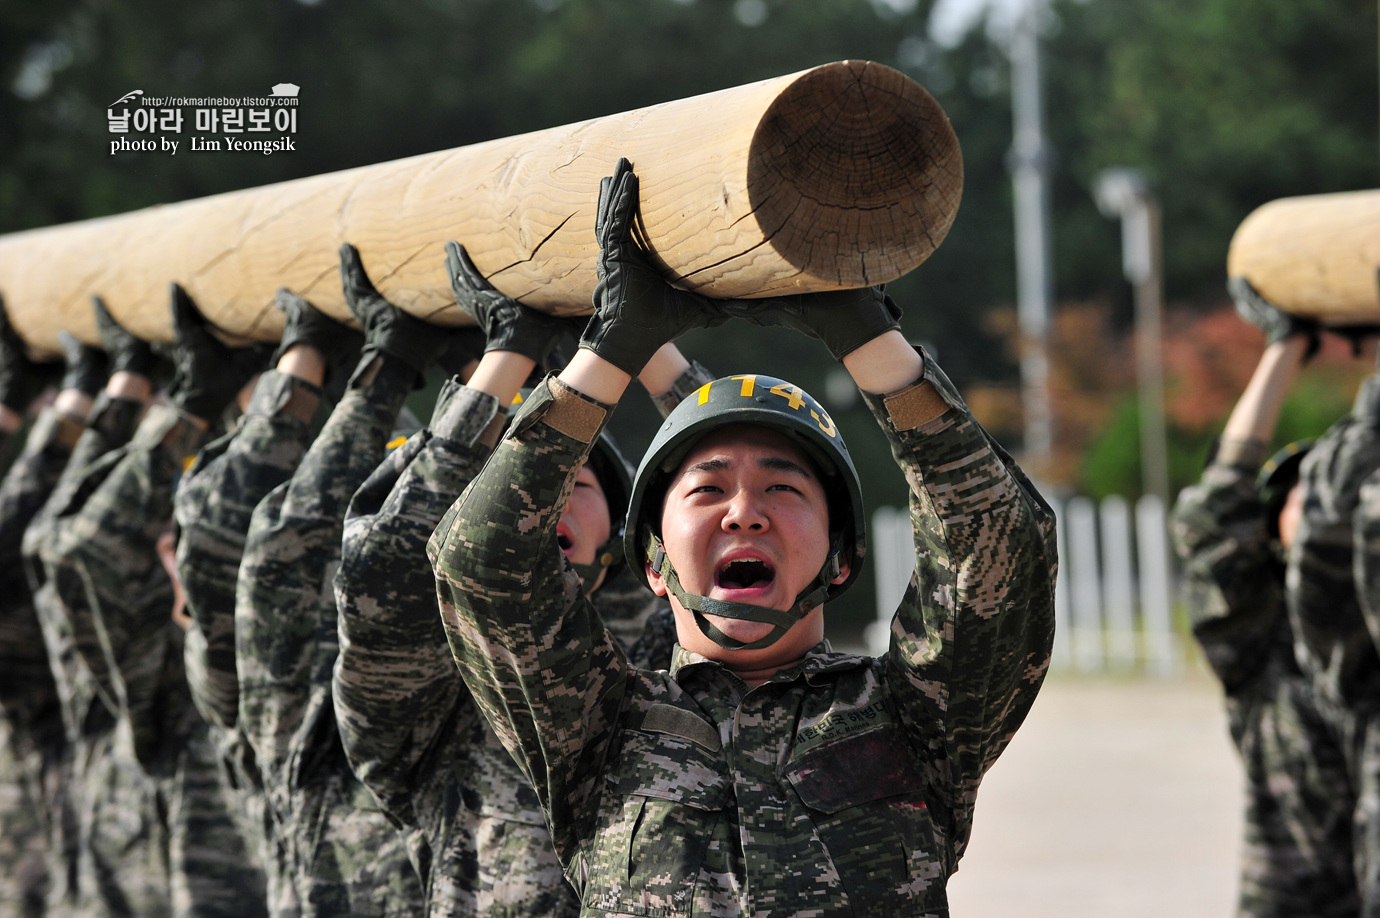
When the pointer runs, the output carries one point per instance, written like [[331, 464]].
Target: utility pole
[[1125, 193], [1028, 162]]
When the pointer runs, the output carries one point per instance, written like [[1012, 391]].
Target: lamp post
[[1125, 193], [1028, 161]]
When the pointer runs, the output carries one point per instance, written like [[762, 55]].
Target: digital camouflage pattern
[[24, 880], [1297, 856], [157, 820], [409, 726], [346, 857], [1326, 578], [31, 735], [846, 784], [213, 507], [110, 425], [1334, 644]]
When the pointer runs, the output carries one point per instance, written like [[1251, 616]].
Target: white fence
[[1114, 598]]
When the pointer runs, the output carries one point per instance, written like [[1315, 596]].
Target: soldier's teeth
[[746, 573]]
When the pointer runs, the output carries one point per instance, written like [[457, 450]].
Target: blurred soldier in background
[[32, 740], [86, 716], [345, 857], [154, 816], [213, 508], [1334, 642], [1234, 530]]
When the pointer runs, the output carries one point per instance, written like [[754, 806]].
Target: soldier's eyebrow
[[710, 465], [781, 464], [770, 463]]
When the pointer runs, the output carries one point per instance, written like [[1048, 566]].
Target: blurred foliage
[[1225, 104]]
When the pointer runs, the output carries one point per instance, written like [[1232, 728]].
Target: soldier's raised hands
[[636, 310], [506, 324]]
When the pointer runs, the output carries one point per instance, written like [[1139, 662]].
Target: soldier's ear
[[653, 566], [845, 565]]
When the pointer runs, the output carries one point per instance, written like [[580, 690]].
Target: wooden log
[[840, 176], [1316, 255]]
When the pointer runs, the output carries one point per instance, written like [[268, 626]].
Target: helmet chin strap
[[781, 620], [608, 555]]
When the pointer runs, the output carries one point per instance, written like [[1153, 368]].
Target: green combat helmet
[[758, 401]]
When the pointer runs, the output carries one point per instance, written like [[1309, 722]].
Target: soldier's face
[[746, 519], [584, 526]]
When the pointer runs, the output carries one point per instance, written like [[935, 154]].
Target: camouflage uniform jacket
[[1334, 644], [412, 733], [346, 858], [103, 562], [110, 425], [31, 734], [213, 506], [845, 784], [28, 694], [1327, 579], [1297, 851]]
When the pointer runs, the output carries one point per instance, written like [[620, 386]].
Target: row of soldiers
[[1282, 567], [228, 690], [173, 740]]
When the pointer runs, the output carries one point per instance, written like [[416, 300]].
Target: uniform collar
[[820, 660]]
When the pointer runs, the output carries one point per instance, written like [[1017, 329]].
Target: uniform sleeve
[[105, 568], [972, 638], [1233, 582], [1366, 547], [534, 653], [30, 480], [213, 506], [686, 384], [27, 693], [1320, 587], [285, 616], [111, 424], [395, 685]]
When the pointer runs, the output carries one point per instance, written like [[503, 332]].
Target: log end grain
[[855, 174]]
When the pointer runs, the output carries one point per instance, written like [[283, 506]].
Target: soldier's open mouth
[[564, 541], [745, 574]]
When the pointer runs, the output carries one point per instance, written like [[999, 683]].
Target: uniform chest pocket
[[866, 797], [661, 812]]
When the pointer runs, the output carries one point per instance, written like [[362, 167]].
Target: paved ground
[[1118, 799]]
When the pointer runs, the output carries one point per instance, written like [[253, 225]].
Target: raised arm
[[532, 649], [1221, 532], [217, 497]]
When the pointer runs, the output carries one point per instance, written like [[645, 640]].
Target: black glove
[[338, 343], [844, 320], [507, 324], [1269, 318], [126, 353], [86, 365], [209, 374], [635, 310], [21, 379], [387, 329]]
